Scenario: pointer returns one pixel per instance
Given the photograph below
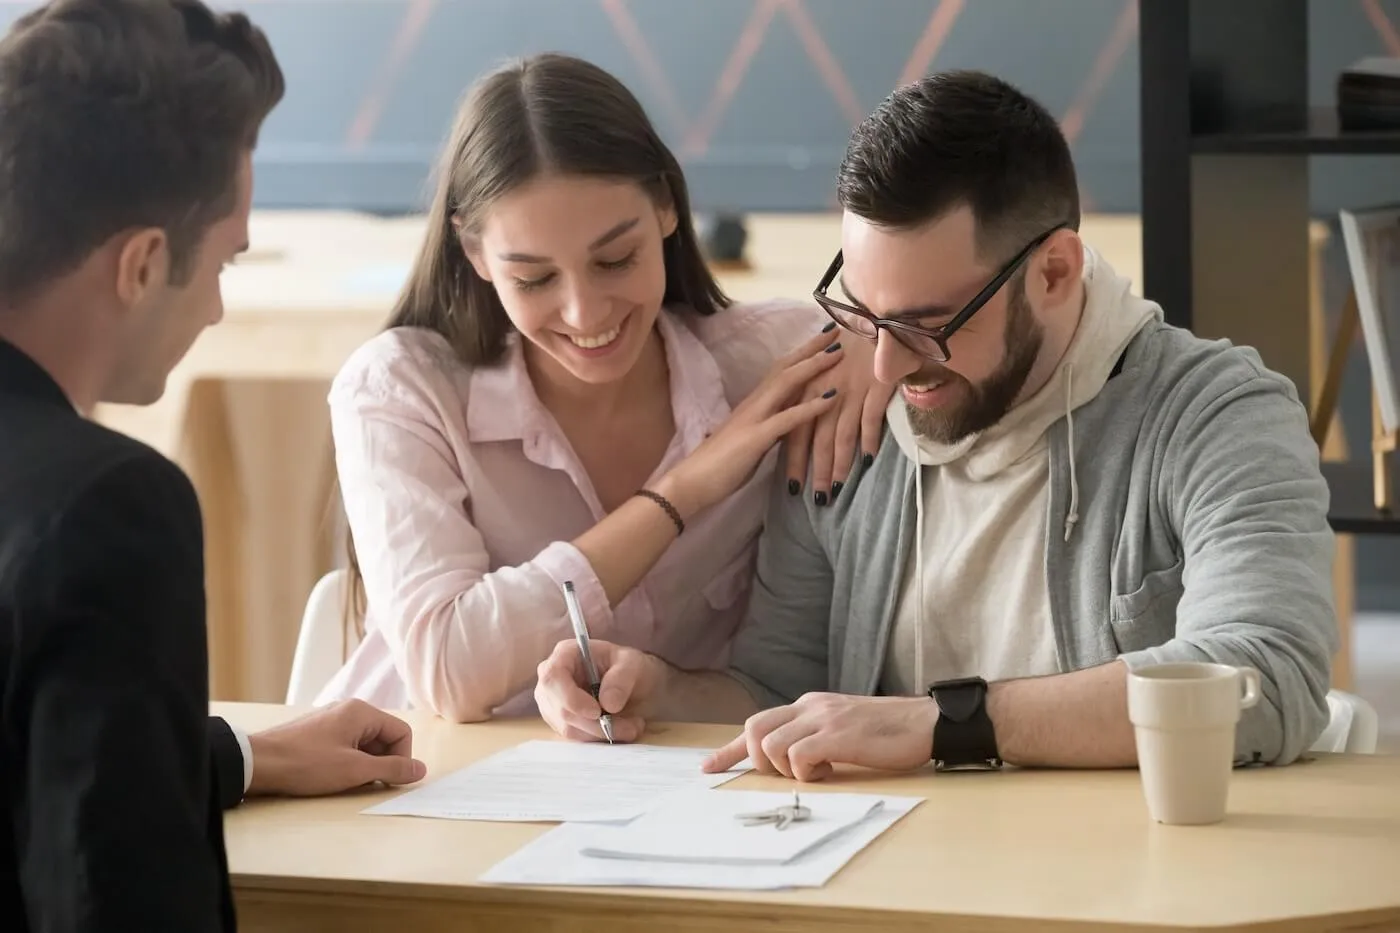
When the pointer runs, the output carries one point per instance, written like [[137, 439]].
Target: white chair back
[[1353, 727], [325, 641]]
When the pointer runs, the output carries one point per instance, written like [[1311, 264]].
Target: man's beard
[[984, 404]]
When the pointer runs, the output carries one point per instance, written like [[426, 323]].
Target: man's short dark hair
[[962, 138], [120, 114]]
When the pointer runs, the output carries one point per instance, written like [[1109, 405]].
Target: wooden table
[[245, 412], [1312, 846]]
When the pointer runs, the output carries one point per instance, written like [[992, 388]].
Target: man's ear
[[1063, 266], [143, 264]]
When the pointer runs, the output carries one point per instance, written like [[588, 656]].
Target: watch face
[[959, 700]]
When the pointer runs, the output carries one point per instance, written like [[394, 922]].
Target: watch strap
[[963, 735]]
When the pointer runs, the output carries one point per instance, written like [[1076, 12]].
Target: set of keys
[[779, 817]]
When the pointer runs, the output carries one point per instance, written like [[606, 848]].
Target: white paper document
[[556, 858], [553, 782], [702, 826]]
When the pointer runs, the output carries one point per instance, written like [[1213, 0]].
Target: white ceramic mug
[[1184, 716]]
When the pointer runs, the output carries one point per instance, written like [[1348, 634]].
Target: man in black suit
[[126, 133]]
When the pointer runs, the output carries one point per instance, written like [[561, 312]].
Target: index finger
[[727, 756], [799, 456], [872, 422]]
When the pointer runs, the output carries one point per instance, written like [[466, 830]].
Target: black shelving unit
[[1226, 135], [1353, 507], [1322, 135]]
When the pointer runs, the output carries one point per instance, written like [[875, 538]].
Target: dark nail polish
[[836, 490], [794, 487], [829, 327], [819, 498], [834, 347], [829, 393], [868, 461]]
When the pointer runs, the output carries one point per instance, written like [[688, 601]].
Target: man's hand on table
[[334, 749], [805, 739], [802, 740]]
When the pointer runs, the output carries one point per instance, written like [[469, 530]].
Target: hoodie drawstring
[[1073, 517], [919, 573]]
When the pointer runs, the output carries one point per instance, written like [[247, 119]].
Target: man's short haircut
[[962, 138], [122, 114]]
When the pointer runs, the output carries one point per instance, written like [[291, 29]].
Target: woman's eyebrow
[[617, 231]]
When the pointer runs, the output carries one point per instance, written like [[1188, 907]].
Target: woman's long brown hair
[[548, 113]]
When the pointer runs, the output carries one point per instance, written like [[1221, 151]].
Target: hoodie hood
[[1112, 316]]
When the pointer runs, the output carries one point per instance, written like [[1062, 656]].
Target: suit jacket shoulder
[[104, 683]]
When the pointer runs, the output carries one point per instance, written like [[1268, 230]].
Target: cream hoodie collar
[[1112, 316]]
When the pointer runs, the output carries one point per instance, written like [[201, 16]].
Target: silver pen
[[581, 635]]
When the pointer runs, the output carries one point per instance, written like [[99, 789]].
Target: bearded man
[[1069, 489]]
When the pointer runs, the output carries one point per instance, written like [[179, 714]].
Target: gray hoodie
[[981, 504], [1198, 513]]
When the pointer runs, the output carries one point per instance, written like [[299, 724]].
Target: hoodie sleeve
[[781, 651], [1248, 498]]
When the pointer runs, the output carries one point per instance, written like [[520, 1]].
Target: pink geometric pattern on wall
[[416, 15], [698, 129], [1380, 22]]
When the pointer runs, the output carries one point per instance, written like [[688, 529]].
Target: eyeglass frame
[[939, 334]]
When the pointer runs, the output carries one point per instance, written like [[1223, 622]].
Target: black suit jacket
[[114, 776]]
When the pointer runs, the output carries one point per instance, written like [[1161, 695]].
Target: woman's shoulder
[[748, 337], [399, 362], [757, 332]]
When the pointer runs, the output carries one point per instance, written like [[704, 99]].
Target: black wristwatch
[[963, 737]]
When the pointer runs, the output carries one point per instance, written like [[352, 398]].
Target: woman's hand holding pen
[[727, 459], [628, 678]]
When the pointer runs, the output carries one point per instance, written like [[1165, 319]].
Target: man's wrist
[[266, 759], [1001, 721], [245, 748], [922, 719]]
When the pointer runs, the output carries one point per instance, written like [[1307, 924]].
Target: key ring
[[779, 817]]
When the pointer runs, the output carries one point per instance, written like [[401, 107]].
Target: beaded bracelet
[[666, 505]]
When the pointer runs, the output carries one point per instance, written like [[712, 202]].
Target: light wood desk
[[1309, 847], [245, 412]]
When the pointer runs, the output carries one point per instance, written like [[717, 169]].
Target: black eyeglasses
[[929, 342]]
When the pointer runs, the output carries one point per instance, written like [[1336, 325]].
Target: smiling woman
[[564, 393], [587, 301]]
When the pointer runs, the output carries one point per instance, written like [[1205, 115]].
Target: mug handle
[[1250, 678]]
